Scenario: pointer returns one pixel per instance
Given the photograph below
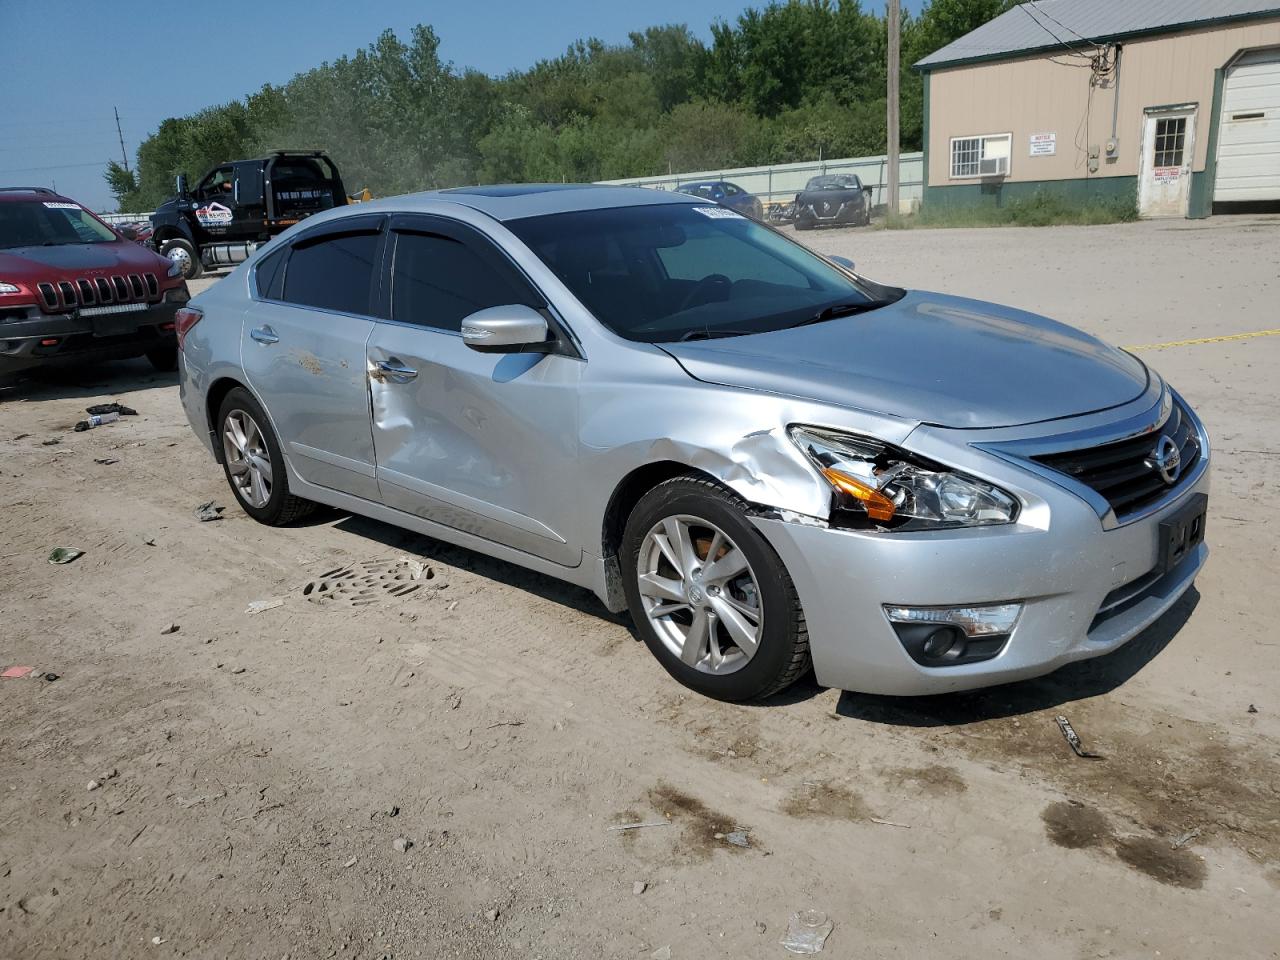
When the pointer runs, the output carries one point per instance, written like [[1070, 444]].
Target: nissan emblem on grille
[[1167, 459]]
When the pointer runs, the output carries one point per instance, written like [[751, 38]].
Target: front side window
[[670, 272], [219, 183], [985, 156], [437, 281], [50, 223], [332, 273]]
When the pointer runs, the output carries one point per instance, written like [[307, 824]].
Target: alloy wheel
[[248, 459], [700, 594]]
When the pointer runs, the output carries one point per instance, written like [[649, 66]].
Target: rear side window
[[269, 275], [332, 273], [437, 281]]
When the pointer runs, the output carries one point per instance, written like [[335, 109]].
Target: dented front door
[[483, 443]]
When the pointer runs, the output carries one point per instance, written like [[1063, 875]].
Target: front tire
[[183, 253], [253, 463], [708, 594], [164, 359]]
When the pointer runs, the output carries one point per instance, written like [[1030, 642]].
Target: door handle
[[394, 371], [264, 335]]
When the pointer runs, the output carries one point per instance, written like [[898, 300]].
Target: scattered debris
[[349, 863], [662, 953], [889, 823], [96, 420], [93, 785], [238, 670], [389, 812], [21, 436], [51, 442], [807, 932], [761, 926], [150, 541], [1184, 839], [452, 606], [1073, 739], [106, 461], [50, 677], [158, 940], [119, 409], [209, 511], [639, 887], [16, 673], [109, 775], [454, 699], [1252, 709], [257, 606], [64, 554], [492, 914], [640, 826], [171, 628], [738, 838], [401, 844], [505, 723]]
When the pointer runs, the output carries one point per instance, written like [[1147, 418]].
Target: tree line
[[791, 81]]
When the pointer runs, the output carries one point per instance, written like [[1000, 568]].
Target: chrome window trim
[[1021, 452]]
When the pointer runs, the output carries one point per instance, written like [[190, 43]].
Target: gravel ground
[[236, 788]]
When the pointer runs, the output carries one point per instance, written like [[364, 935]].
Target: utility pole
[[893, 15], [124, 154]]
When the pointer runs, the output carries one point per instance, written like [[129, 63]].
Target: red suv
[[72, 288]]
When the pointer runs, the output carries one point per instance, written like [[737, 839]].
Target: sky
[[84, 58]]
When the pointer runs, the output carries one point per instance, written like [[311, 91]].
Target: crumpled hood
[[932, 358], [71, 260]]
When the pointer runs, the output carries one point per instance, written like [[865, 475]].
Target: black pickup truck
[[241, 204]]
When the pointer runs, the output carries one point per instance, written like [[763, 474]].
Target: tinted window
[[269, 275], [670, 272], [437, 281], [334, 273]]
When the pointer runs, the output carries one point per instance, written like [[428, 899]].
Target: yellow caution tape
[[1188, 343]]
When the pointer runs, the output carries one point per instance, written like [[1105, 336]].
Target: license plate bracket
[[1182, 532], [117, 324]]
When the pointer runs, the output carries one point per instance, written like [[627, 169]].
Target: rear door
[[304, 350], [482, 442]]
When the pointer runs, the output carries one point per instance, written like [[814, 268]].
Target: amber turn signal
[[877, 505]]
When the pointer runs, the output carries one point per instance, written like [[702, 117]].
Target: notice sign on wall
[[1044, 144]]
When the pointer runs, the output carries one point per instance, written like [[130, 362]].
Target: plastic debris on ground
[[96, 420], [106, 461], [738, 838], [257, 606], [640, 826], [209, 511], [16, 673], [1073, 739], [64, 554], [807, 932]]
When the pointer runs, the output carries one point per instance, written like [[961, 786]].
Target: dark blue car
[[726, 194]]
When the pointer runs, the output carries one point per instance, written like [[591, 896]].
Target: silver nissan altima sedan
[[768, 459]]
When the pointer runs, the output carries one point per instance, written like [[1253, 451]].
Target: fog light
[[950, 636]]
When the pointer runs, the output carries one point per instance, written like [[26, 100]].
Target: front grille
[[1124, 473], [67, 295]]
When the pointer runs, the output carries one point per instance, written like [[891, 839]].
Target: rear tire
[[164, 359], [184, 253], [253, 463], [699, 523]]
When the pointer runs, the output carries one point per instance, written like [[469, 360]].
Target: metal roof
[[1058, 24]]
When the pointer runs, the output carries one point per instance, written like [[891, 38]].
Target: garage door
[[1249, 138]]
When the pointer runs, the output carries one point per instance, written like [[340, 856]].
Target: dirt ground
[[254, 770]]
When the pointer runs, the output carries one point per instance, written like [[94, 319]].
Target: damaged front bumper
[[38, 339]]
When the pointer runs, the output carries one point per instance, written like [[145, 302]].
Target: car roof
[[516, 201], [27, 194]]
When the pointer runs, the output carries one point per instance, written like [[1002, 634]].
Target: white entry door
[[1168, 146]]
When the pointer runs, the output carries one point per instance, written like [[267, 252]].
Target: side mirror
[[182, 185], [843, 262], [127, 232], [514, 328]]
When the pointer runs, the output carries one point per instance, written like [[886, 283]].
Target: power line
[[1044, 13], [59, 166], [1026, 8]]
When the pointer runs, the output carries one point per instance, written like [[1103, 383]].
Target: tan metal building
[[1174, 103]]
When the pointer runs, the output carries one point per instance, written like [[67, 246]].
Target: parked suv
[[73, 288], [767, 458]]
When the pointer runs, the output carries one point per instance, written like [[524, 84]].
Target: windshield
[[49, 223], [677, 271], [834, 183]]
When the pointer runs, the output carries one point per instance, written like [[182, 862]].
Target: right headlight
[[892, 488]]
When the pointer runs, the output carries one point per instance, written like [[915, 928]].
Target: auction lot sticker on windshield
[[718, 213], [54, 205]]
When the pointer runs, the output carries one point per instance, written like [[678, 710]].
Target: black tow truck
[[241, 204]]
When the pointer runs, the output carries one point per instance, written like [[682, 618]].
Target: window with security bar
[[984, 156], [1171, 135]]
